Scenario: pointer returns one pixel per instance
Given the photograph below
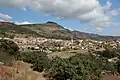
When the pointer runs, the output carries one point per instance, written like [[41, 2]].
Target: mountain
[[49, 30], [79, 34], [6, 28]]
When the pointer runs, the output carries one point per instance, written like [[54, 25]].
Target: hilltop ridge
[[6, 23], [49, 30]]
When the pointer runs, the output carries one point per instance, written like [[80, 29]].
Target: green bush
[[118, 66], [5, 57], [61, 69], [8, 46], [7, 50], [39, 60], [79, 67]]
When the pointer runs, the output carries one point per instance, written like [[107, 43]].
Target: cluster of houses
[[52, 45]]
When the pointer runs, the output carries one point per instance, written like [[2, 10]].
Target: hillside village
[[20, 70], [59, 45], [59, 39], [35, 48]]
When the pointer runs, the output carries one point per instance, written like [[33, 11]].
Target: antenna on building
[[72, 39]]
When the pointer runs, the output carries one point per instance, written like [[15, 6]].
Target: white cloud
[[4, 17], [87, 11], [59, 8], [107, 6], [23, 22], [99, 29], [115, 12], [15, 3], [1, 20]]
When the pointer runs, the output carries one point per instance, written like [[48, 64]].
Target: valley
[[44, 51]]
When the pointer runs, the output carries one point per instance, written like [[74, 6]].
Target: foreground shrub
[[79, 67], [8, 46], [7, 50], [39, 60]]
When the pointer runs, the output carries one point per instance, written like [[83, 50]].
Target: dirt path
[[26, 72], [35, 76], [67, 54]]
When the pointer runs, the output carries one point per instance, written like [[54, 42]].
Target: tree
[[61, 69], [39, 60], [8, 46], [79, 67]]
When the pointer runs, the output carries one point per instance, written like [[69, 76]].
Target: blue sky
[[101, 17]]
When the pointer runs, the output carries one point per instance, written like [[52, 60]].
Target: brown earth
[[19, 71], [111, 77]]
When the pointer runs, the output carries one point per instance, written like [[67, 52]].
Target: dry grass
[[67, 54], [23, 72], [111, 77]]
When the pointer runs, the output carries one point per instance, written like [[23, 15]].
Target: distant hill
[[78, 34], [8, 27], [49, 30]]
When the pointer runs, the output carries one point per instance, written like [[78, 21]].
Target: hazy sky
[[94, 16]]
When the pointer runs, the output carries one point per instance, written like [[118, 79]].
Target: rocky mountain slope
[[78, 34], [49, 30], [7, 28]]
